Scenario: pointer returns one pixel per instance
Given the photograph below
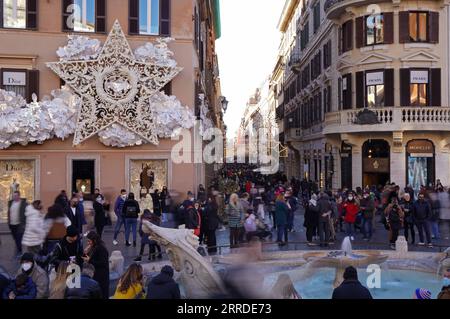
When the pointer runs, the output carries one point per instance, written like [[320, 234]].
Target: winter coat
[[421, 211], [133, 292], [34, 228], [367, 207], [28, 292], [281, 213], [311, 216], [99, 258], [64, 250], [145, 238], [212, 217], [324, 207], [118, 206], [100, 216], [78, 220], [245, 205], [89, 289], [40, 279], [56, 228], [22, 208], [444, 199], [131, 209], [351, 289], [407, 208], [163, 287], [4, 283], [235, 215], [351, 211], [192, 218]]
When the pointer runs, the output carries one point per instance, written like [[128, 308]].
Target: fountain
[[309, 270]]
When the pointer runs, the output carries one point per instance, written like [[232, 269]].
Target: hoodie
[[163, 287], [34, 228]]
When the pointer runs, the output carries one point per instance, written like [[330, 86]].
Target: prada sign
[[419, 77], [375, 78], [376, 165]]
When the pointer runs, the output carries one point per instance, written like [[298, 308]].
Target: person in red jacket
[[351, 210]]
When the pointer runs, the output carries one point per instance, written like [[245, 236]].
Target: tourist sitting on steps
[[22, 287], [89, 288], [163, 286]]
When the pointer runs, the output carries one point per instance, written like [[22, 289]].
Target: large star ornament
[[115, 88]]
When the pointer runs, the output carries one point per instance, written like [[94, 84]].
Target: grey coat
[[41, 280]]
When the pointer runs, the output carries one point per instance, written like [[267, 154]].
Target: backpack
[[131, 212]]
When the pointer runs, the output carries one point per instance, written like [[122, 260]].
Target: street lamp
[[224, 102]]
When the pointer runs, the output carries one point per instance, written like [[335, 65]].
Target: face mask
[[366, 196], [27, 266], [446, 282], [99, 200], [350, 198], [124, 197]]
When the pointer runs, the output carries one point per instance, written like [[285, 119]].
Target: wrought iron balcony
[[389, 119]]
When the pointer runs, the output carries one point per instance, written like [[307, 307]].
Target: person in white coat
[[34, 234]]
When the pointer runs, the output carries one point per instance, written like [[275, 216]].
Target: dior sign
[[15, 78]]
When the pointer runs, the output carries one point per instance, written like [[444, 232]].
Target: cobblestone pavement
[[297, 241]]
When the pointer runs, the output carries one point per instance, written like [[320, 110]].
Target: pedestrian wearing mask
[[395, 216], [367, 208], [39, 277], [34, 234], [351, 210], [118, 206], [100, 215]]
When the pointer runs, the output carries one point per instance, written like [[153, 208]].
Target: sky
[[247, 51]]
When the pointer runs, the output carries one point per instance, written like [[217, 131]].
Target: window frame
[[2, 19], [366, 88], [366, 30], [158, 22], [427, 26], [427, 91], [95, 20]]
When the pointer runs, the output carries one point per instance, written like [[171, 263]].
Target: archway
[[376, 162]]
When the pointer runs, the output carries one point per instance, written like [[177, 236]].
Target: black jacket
[[100, 260], [324, 206], [4, 283], [311, 216], [211, 221], [131, 209], [100, 217], [421, 211], [351, 289], [23, 206], [77, 219], [192, 218], [163, 287], [90, 289], [64, 250]]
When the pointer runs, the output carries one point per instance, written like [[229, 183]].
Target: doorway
[[376, 163], [83, 176]]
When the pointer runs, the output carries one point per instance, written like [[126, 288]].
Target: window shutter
[[319, 101], [359, 30], [389, 87], [349, 30], [403, 17], [329, 99], [32, 84], [100, 18], [360, 89], [339, 94], [433, 27], [435, 87], [405, 94], [164, 18], [348, 92], [32, 14], [340, 40], [133, 17], [67, 15], [388, 19], [1, 73]]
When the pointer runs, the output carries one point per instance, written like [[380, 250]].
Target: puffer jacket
[[89, 289], [40, 279], [34, 228], [28, 292]]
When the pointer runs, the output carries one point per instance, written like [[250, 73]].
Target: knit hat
[[71, 231], [423, 293], [167, 270], [27, 257]]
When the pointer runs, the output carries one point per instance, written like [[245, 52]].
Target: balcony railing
[[390, 119], [330, 3]]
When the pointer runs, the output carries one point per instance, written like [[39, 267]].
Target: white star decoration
[[115, 88]]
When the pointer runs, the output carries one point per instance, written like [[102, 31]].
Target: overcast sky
[[247, 51]]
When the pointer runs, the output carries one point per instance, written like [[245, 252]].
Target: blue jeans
[[130, 223], [349, 229], [282, 230], [367, 227], [119, 223]]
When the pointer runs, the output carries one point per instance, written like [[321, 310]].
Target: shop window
[[374, 29], [375, 89], [419, 88], [14, 14]]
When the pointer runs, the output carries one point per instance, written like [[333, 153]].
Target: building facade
[[370, 100], [30, 34]]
